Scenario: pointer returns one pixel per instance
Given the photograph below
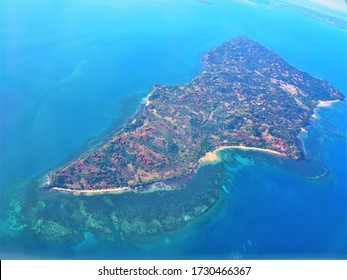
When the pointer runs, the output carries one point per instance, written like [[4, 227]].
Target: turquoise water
[[72, 69]]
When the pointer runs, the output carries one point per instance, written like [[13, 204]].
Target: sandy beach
[[208, 158], [212, 157], [92, 192], [152, 188], [322, 103], [146, 99]]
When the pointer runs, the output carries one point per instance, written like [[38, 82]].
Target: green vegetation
[[246, 95]]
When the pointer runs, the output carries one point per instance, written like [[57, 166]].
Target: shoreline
[[213, 158], [93, 192], [100, 140], [163, 185], [323, 103], [209, 158], [120, 190], [146, 100]]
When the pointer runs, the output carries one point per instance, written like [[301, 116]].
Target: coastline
[[314, 116], [93, 192], [323, 103], [100, 140], [213, 158], [209, 158], [163, 185], [146, 101]]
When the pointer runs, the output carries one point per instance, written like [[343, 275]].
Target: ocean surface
[[71, 70]]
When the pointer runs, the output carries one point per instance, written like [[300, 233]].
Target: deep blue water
[[66, 66]]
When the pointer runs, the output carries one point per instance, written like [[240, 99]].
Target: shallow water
[[78, 67]]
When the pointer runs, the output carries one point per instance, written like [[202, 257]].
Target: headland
[[246, 97]]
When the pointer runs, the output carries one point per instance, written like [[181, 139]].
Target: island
[[246, 96]]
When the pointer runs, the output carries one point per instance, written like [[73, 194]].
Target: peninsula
[[245, 97]]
